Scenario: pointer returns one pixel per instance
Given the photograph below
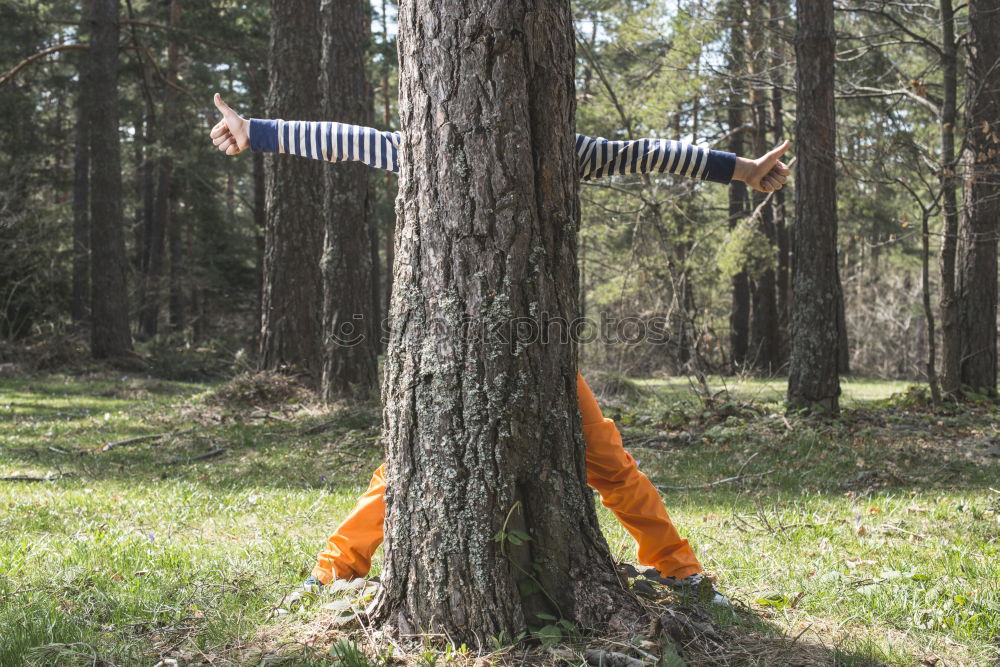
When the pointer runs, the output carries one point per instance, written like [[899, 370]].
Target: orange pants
[[610, 469]]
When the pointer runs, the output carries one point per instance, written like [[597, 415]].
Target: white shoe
[[699, 586]]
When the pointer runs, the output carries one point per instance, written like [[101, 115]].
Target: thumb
[[227, 113], [776, 152]]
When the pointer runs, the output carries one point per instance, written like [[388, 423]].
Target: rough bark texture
[[981, 201], [110, 335], [813, 380], [293, 283], [477, 424], [951, 341], [349, 317]]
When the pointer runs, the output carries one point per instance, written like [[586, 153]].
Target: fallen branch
[[610, 659], [718, 482], [210, 454], [29, 478], [142, 438]]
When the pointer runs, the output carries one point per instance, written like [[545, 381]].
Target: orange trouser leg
[[629, 494], [349, 551], [610, 469]]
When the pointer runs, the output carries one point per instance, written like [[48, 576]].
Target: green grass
[[876, 538]]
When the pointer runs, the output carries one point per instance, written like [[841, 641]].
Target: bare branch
[[9, 74]]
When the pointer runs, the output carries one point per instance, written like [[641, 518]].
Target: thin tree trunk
[[81, 184], [764, 339], [778, 10], [150, 314], [925, 286], [951, 343], [291, 317], [176, 302], [813, 381], [980, 224], [739, 313], [110, 336], [482, 431], [349, 317]]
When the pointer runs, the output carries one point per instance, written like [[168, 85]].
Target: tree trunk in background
[[293, 283], [81, 186], [977, 318], [177, 304], [110, 335], [815, 342], [349, 319], [764, 338], [479, 427], [951, 343], [150, 307], [778, 10], [739, 314]]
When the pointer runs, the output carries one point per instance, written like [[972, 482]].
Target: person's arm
[[597, 157], [333, 142], [329, 141]]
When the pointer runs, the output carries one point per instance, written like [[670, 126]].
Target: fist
[[768, 173], [231, 134]]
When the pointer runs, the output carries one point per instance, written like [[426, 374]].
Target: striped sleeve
[[332, 142], [597, 157]]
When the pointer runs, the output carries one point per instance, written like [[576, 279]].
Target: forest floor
[[873, 538]]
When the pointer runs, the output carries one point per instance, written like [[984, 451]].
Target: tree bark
[[951, 343], [482, 427], [349, 317], [813, 381], [981, 201], [110, 336], [293, 282]]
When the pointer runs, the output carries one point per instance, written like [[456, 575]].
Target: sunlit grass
[[876, 534]]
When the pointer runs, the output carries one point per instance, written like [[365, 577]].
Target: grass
[[874, 538]]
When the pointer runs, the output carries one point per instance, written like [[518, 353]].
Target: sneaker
[[701, 587], [306, 593]]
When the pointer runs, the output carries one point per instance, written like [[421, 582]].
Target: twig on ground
[[212, 453], [153, 438], [718, 482], [30, 478], [610, 659], [318, 428]]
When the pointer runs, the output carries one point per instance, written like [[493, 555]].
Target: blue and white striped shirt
[[596, 157]]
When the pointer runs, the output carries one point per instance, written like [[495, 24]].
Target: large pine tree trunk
[[813, 380], [981, 201], [293, 283], [349, 319], [480, 426], [110, 335], [951, 342]]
